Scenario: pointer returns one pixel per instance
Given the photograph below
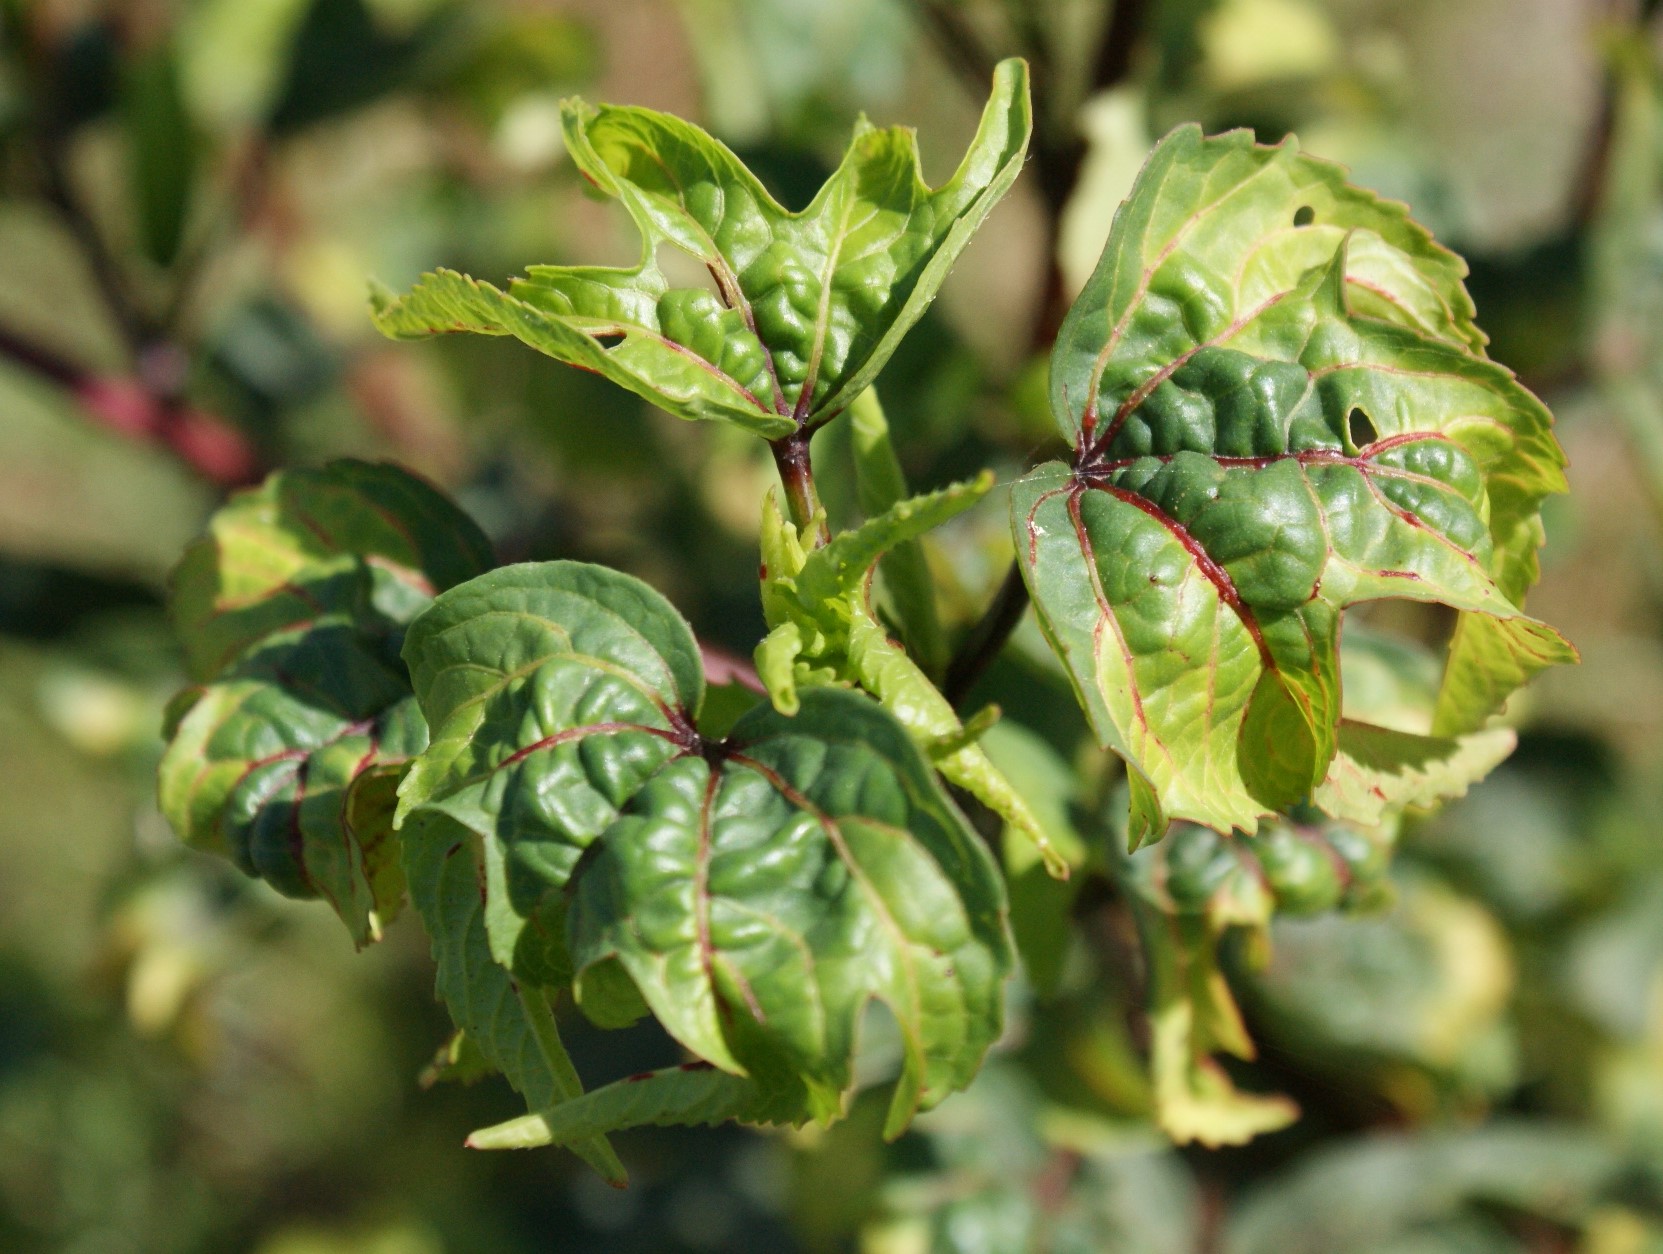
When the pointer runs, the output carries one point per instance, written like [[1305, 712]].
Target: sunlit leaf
[[758, 890], [1279, 409], [806, 306]]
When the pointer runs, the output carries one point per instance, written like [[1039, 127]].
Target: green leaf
[[818, 602], [288, 760], [511, 1028], [1390, 1189], [161, 151], [1191, 1016], [761, 900], [368, 543], [1041, 904], [904, 570], [691, 1094], [1272, 422], [806, 307], [1378, 770], [758, 890], [457, 1061]]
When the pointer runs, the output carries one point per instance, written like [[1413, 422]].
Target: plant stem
[[987, 638], [797, 475]]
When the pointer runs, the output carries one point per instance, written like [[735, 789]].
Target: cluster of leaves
[[1278, 406]]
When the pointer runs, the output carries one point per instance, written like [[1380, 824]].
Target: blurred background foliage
[[192, 196]]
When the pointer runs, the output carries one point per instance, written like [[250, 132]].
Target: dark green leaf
[[758, 890], [161, 151]]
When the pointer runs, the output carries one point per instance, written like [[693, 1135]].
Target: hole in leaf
[[1361, 429], [683, 270], [1304, 215]]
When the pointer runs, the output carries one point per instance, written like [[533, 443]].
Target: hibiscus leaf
[[743, 885], [1279, 410], [805, 308], [292, 608]]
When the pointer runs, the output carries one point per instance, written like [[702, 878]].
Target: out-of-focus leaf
[[341, 59], [161, 151], [525, 54], [1370, 1194], [292, 607], [746, 886], [808, 306], [233, 56], [1280, 408], [1426, 984], [994, 1180]]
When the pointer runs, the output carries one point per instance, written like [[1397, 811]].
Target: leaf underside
[[1279, 408]]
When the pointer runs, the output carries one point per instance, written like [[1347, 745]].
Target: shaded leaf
[[511, 1028], [693, 1093], [162, 151], [904, 570], [818, 603], [292, 607]]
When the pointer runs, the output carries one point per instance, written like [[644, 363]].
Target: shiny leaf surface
[[757, 890], [806, 306], [1279, 409]]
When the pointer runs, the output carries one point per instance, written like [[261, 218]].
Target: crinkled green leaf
[[693, 1093], [1273, 421], [554, 691], [761, 899], [269, 780], [818, 602], [293, 606], [806, 306], [510, 1027], [1289, 868], [758, 890]]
